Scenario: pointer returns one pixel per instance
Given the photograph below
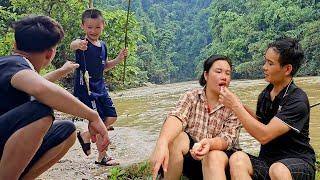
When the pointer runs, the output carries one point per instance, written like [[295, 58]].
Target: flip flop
[[160, 175], [110, 128], [107, 161], [85, 146]]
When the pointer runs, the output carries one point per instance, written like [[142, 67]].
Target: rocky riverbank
[[128, 146]]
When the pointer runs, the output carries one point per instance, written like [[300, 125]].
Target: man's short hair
[[290, 52], [91, 14], [37, 33]]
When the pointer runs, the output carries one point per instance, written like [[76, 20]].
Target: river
[[145, 108]]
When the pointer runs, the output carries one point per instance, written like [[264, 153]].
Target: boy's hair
[[37, 33], [91, 14], [208, 64], [290, 52]]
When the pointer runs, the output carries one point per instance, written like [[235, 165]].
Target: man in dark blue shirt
[[281, 122], [30, 140]]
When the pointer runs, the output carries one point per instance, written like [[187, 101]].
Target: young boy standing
[[89, 86]]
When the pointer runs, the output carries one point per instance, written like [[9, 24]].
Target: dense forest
[[169, 39]]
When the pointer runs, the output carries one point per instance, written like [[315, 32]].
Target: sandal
[[85, 146], [107, 161], [110, 128]]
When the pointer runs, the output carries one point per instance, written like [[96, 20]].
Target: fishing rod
[[315, 105], [126, 42]]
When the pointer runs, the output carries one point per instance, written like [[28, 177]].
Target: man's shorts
[[300, 169], [26, 114], [193, 168]]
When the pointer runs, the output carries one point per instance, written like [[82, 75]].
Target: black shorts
[[300, 169], [193, 168], [102, 103], [26, 114]]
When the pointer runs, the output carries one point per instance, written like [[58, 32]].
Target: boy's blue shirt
[[92, 60]]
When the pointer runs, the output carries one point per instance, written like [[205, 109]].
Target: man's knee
[[44, 123], [71, 128], [279, 171], [215, 158], [71, 140], [64, 129]]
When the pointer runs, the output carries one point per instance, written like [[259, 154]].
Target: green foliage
[[47, 70], [170, 39], [116, 173], [114, 36], [6, 36], [135, 171], [174, 31], [6, 44], [68, 14], [258, 23]]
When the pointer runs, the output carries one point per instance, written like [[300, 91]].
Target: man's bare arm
[[51, 94]]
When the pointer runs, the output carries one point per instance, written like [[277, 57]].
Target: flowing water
[[145, 108]]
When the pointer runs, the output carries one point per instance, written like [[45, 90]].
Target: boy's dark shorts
[[300, 169], [102, 103], [26, 114], [193, 168]]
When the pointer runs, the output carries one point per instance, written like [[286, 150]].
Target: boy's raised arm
[[121, 56]]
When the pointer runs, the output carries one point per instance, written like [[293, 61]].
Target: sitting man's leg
[[291, 168], [177, 149], [245, 166], [214, 165], [240, 166], [59, 139], [21, 133]]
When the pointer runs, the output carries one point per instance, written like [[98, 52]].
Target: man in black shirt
[[30, 140], [281, 122]]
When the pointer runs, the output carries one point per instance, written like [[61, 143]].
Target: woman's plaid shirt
[[200, 121]]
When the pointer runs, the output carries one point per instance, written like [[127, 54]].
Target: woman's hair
[[208, 63]]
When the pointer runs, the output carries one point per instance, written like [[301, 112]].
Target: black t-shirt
[[291, 106], [11, 97]]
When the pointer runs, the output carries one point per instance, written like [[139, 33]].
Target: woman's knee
[[238, 160], [180, 144], [278, 171], [215, 158]]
